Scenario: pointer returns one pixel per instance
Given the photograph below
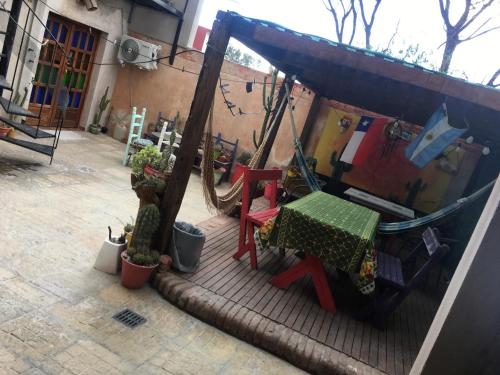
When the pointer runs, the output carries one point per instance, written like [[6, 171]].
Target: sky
[[419, 22]]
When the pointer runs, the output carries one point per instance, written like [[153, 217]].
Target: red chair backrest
[[254, 175]]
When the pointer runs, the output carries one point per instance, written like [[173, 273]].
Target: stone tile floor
[[55, 309]]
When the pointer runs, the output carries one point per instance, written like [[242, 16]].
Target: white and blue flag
[[433, 139]]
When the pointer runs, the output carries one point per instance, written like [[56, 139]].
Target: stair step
[[4, 84], [42, 149], [15, 109], [26, 129]]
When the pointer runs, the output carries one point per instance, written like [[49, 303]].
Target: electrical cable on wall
[[229, 104]]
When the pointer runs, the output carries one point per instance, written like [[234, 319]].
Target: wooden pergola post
[[309, 123], [195, 124]]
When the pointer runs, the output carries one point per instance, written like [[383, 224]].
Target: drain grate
[[129, 318]]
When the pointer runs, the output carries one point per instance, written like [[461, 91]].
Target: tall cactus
[[103, 104], [148, 220], [267, 102]]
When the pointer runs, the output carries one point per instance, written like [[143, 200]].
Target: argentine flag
[[433, 139]]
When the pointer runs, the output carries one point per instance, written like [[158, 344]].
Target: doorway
[[55, 70]]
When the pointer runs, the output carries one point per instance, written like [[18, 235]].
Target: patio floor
[[56, 310], [235, 298]]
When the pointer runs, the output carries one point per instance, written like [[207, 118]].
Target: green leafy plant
[[244, 158], [148, 155], [19, 100]]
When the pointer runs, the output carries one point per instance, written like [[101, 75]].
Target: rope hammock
[[225, 203]]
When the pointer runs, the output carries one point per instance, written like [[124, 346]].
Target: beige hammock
[[226, 202]]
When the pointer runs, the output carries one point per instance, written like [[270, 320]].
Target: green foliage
[[148, 155], [128, 228], [235, 55]]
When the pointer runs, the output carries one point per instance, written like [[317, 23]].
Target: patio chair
[[135, 141], [250, 220], [392, 285]]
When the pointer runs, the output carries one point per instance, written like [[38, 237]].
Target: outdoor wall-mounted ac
[[138, 52]]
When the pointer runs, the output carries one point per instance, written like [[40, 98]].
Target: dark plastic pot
[[134, 276]]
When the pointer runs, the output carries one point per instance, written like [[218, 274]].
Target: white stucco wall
[[111, 18]]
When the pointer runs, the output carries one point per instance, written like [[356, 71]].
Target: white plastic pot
[[108, 260]]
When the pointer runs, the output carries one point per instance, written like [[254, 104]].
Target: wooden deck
[[392, 350]]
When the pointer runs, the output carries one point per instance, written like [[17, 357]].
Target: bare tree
[[493, 78], [473, 9], [342, 12], [368, 24]]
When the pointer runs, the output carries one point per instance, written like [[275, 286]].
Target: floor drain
[[129, 318]]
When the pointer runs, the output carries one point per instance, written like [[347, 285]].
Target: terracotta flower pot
[[134, 276], [150, 171], [4, 131]]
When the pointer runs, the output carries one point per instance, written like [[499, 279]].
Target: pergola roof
[[371, 80]]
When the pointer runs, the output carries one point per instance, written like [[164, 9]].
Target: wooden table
[[329, 230]]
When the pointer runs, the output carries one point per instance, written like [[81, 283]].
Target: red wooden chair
[[249, 220]]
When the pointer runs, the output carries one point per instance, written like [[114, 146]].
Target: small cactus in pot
[[139, 261]]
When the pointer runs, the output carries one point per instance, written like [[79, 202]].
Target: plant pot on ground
[[4, 130], [139, 261]]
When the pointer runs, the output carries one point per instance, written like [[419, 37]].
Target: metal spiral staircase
[[8, 104]]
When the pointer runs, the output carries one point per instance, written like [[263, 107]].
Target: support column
[[195, 124], [309, 123]]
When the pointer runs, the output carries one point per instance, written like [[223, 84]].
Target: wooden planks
[[392, 350]]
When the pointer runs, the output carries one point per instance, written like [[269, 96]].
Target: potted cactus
[[139, 260]]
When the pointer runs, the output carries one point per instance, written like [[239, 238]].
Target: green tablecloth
[[338, 232]]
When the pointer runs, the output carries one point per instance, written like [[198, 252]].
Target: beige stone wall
[[169, 90]]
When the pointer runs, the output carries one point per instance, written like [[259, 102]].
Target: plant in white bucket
[[108, 260]]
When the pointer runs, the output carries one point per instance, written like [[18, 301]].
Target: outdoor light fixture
[[91, 4]]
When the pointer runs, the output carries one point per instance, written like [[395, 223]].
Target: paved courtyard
[[55, 309]]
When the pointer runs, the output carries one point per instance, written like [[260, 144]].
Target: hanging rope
[[299, 154], [225, 203]]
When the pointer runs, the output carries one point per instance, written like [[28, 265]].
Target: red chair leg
[[251, 246], [248, 245], [312, 265]]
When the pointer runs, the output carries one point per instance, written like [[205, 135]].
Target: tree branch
[[493, 78], [472, 36], [445, 12], [483, 8]]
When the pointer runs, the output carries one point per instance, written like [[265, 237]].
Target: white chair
[[135, 141]]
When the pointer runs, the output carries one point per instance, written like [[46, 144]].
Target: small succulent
[[128, 228], [142, 258]]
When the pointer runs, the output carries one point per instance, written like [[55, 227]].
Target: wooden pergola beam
[[195, 124]]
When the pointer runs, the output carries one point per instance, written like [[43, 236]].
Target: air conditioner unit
[[138, 52]]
